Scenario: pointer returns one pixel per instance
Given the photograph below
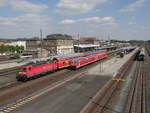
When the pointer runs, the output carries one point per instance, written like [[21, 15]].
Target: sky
[[116, 19]]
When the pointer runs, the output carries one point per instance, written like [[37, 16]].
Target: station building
[[55, 44], [85, 47], [58, 44], [85, 44]]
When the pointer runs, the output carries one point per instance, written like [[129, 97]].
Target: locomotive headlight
[[22, 72]]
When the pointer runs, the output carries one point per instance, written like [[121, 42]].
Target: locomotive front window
[[22, 69]]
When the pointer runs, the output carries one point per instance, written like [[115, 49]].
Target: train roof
[[142, 53], [85, 57], [67, 56], [38, 63], [129, 48]]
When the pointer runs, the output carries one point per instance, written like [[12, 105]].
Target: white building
[[58, 44], [19, 43]]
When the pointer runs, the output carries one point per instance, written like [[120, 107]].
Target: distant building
[[58, 44], [5, 43], [90, 40], [85, 47], [32, 44], [19, 43], [13, 42], [32, 47], [2, 43], [55, 44], [85, 44]]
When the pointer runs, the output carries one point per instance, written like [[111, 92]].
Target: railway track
[[106, 101], [146, 83], [104, 98], [148, 51], [129, 94], [139, 101], [136, 102], [8, 71]]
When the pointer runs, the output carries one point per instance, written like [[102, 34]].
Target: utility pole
[[78, 42], [109, 39], [41, 42]]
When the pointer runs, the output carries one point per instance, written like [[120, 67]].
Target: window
[[23, 69], [29, 68], [74, 62]]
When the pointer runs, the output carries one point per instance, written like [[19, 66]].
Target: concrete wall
[[63, 50], [32, 44]]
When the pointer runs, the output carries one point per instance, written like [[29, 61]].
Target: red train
[[34, 70], [82, 61]]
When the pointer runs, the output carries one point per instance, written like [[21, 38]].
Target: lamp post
[[41, 43], [78, 42]]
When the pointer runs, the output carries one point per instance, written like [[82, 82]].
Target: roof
[[38, 63], [79, 58], [88, 38], [86, 45], [128, 48], [68, 56], [58, 37], [33, 39]]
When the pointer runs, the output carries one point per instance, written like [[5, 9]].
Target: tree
[[8, 48]]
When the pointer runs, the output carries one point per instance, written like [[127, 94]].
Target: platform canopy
[[86, 45]]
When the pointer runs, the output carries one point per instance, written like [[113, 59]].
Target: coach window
[[29, 68], [74, 62]]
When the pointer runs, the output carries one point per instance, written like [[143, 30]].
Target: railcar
[[128, 49], [82, 61], [141, 55], [62, 62]]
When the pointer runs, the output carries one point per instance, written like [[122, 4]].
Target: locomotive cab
[[23, 73]]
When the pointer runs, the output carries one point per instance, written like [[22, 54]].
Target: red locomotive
[[33, 70]]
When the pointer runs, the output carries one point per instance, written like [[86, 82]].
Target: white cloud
[[67, 21], [91, 19], [133, 6], [2, 3], [131, 23], [26, 19], [23, 5], [7, 23], [70, 7], [108, 19], [26, 25]]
